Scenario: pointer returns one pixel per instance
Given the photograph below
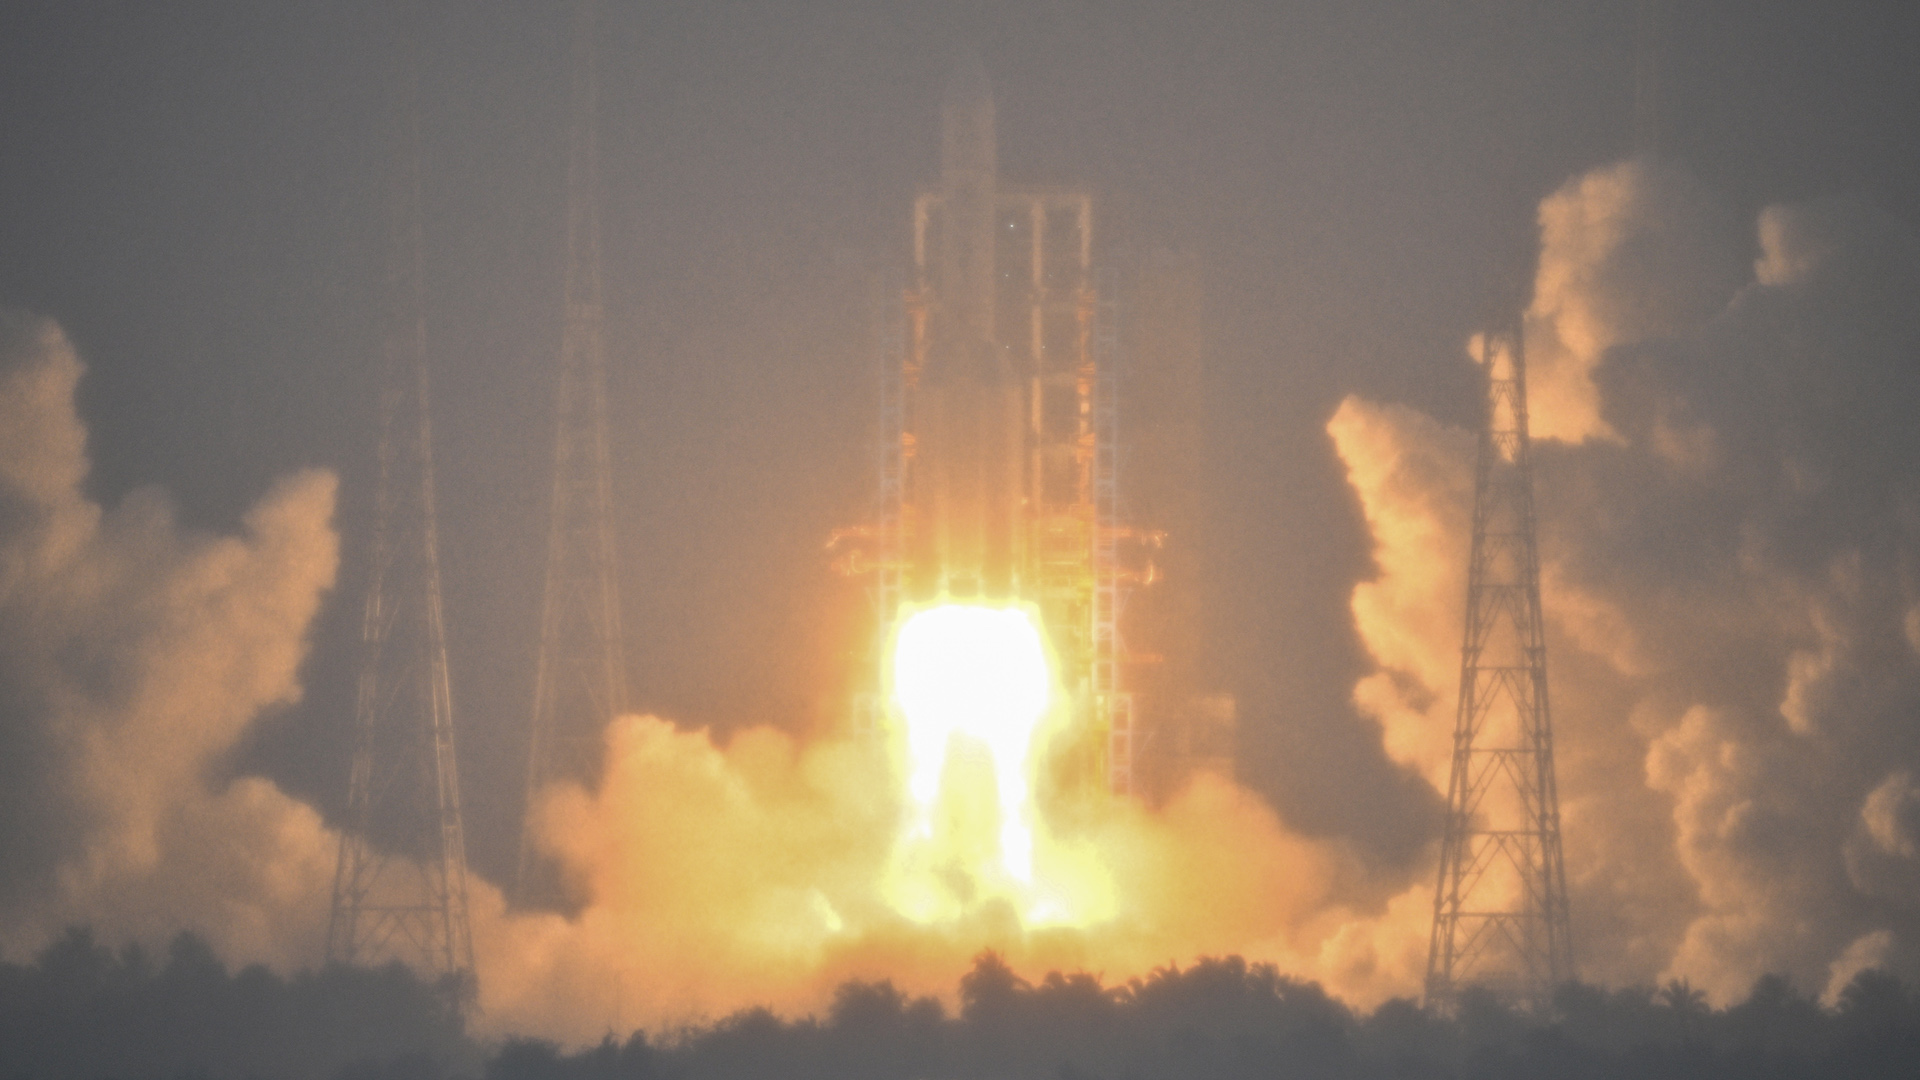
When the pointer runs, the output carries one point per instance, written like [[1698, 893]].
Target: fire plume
[[972, 691]]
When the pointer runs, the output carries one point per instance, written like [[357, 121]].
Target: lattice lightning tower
[[1500, 906], [400, 887], [580, 682]]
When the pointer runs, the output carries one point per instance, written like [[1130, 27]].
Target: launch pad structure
[[1000, 455], [998, 461]]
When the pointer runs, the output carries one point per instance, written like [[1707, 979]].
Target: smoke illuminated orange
[[972, 690]]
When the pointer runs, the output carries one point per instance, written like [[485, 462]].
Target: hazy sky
[[194, 191]]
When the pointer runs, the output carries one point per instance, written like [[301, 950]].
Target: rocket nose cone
[[967, 84]]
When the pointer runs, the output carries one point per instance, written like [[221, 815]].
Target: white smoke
[[1731, 540], [1628, 254], [133, 654], [1731, 546]]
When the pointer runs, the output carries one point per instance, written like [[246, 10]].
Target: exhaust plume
[[719, 876], [133, 655]]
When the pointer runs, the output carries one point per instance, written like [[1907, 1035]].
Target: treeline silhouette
[[83, 1011]]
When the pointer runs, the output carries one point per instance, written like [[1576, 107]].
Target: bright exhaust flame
[[972, 686]]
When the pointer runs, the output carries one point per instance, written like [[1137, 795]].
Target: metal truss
[[1500, 914], [580, 680], [400, 885]]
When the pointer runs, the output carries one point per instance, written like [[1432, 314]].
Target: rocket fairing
[[971, 423]]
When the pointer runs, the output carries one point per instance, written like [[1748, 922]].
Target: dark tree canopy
[[83, 1010]]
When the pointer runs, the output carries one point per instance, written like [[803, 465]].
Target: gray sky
[[195, 193]]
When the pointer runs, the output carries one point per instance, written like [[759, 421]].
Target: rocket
[[971, 429]]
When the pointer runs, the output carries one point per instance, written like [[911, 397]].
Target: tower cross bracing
[[580, 677], [400, 884], [1500, 914]]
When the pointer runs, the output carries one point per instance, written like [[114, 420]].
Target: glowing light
[[972, 685]]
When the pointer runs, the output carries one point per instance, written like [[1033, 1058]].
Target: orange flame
[[974, 696]]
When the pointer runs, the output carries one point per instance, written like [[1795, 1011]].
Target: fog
[[191, 244]]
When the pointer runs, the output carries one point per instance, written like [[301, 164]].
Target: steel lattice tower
[[1500, 906], [400, 887], [580, 681]]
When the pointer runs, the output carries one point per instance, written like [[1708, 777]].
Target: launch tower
[[1000, 458], [400, 886], [580, 682], [1500, 906], [999, 461]]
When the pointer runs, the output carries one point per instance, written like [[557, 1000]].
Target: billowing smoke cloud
[[1729, 539], [1627, 254], [750, 874], [135, 655], [1730, 534], [132, 656]]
